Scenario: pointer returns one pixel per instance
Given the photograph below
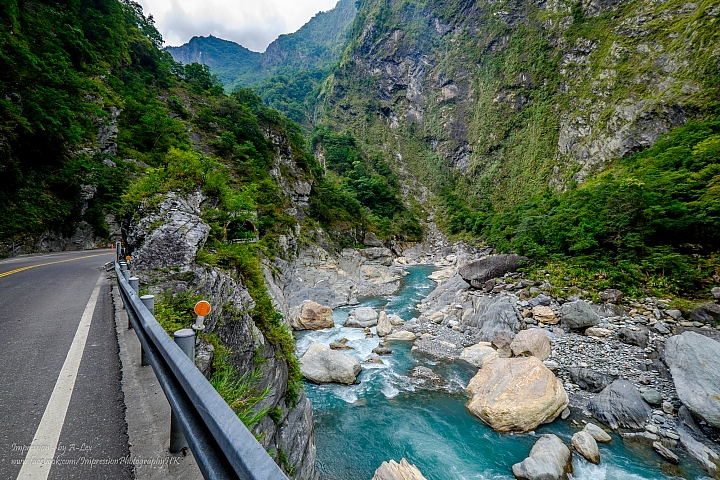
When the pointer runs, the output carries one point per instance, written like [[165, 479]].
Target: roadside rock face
[[362, 317], [549, 459], [177, 240], [694, 361], [397, 471], [329, 366], [480, 271], [478, 354], [578, 314], [590, 380], [585, 445], [531, 343], [384, 326], [311, 316], [516, 394], [620, 405]]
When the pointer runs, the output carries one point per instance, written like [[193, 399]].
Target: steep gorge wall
[[506, 98]]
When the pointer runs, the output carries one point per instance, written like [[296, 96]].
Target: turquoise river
[[384, 416]]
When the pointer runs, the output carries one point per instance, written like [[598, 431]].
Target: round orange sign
[[128, 258], [202, 308]]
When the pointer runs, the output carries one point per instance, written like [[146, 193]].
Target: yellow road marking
[[5, 274]]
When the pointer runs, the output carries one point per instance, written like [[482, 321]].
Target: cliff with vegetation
[[533, 124]]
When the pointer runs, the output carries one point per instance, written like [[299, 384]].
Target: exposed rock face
[[362, 317], [620, 405], [531, 343], [578, 314], [329, 278], [174, 245], [371, 240], [585, 445], [480, 271], [694, 362], [329, 366], [478, 354], [516, 394], [549, 459], [177, 240], [397, 471], [311, 316]]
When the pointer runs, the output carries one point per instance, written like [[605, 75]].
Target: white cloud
[[253, 24]]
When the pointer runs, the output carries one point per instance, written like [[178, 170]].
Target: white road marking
[[41, 453]]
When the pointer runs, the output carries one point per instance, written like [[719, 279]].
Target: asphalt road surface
[[61, 403]]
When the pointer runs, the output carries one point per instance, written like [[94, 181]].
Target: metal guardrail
[[223, 447]]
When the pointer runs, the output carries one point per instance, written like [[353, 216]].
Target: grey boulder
[[611, 295], [620, 405], [362, 317], [694, 362], [590, 380], [549, 459], [480, 271], [329, 366], [493, 315], [578, 314], [638, 337], [584, 443], [709, 313]]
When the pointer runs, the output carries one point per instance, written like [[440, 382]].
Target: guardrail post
[[118, 246], [185, 339], [135, 284], [149, 302]]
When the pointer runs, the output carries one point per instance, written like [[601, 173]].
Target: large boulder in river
[[384, 326], [694, 362], [362, 317], [397, 471], [578, 314], [493, 315], [516, 394], [549, 459], [311, 316], [620, 405], [529, 343], [320, 365], [584, 443], [480, 271]]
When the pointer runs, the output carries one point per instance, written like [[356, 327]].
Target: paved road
[[57, 318]]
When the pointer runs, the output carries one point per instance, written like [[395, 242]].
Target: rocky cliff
[[507, 98]]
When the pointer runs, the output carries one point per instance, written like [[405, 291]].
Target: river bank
[[388, 414]]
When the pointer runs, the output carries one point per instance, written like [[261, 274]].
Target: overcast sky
[[251, 23]]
